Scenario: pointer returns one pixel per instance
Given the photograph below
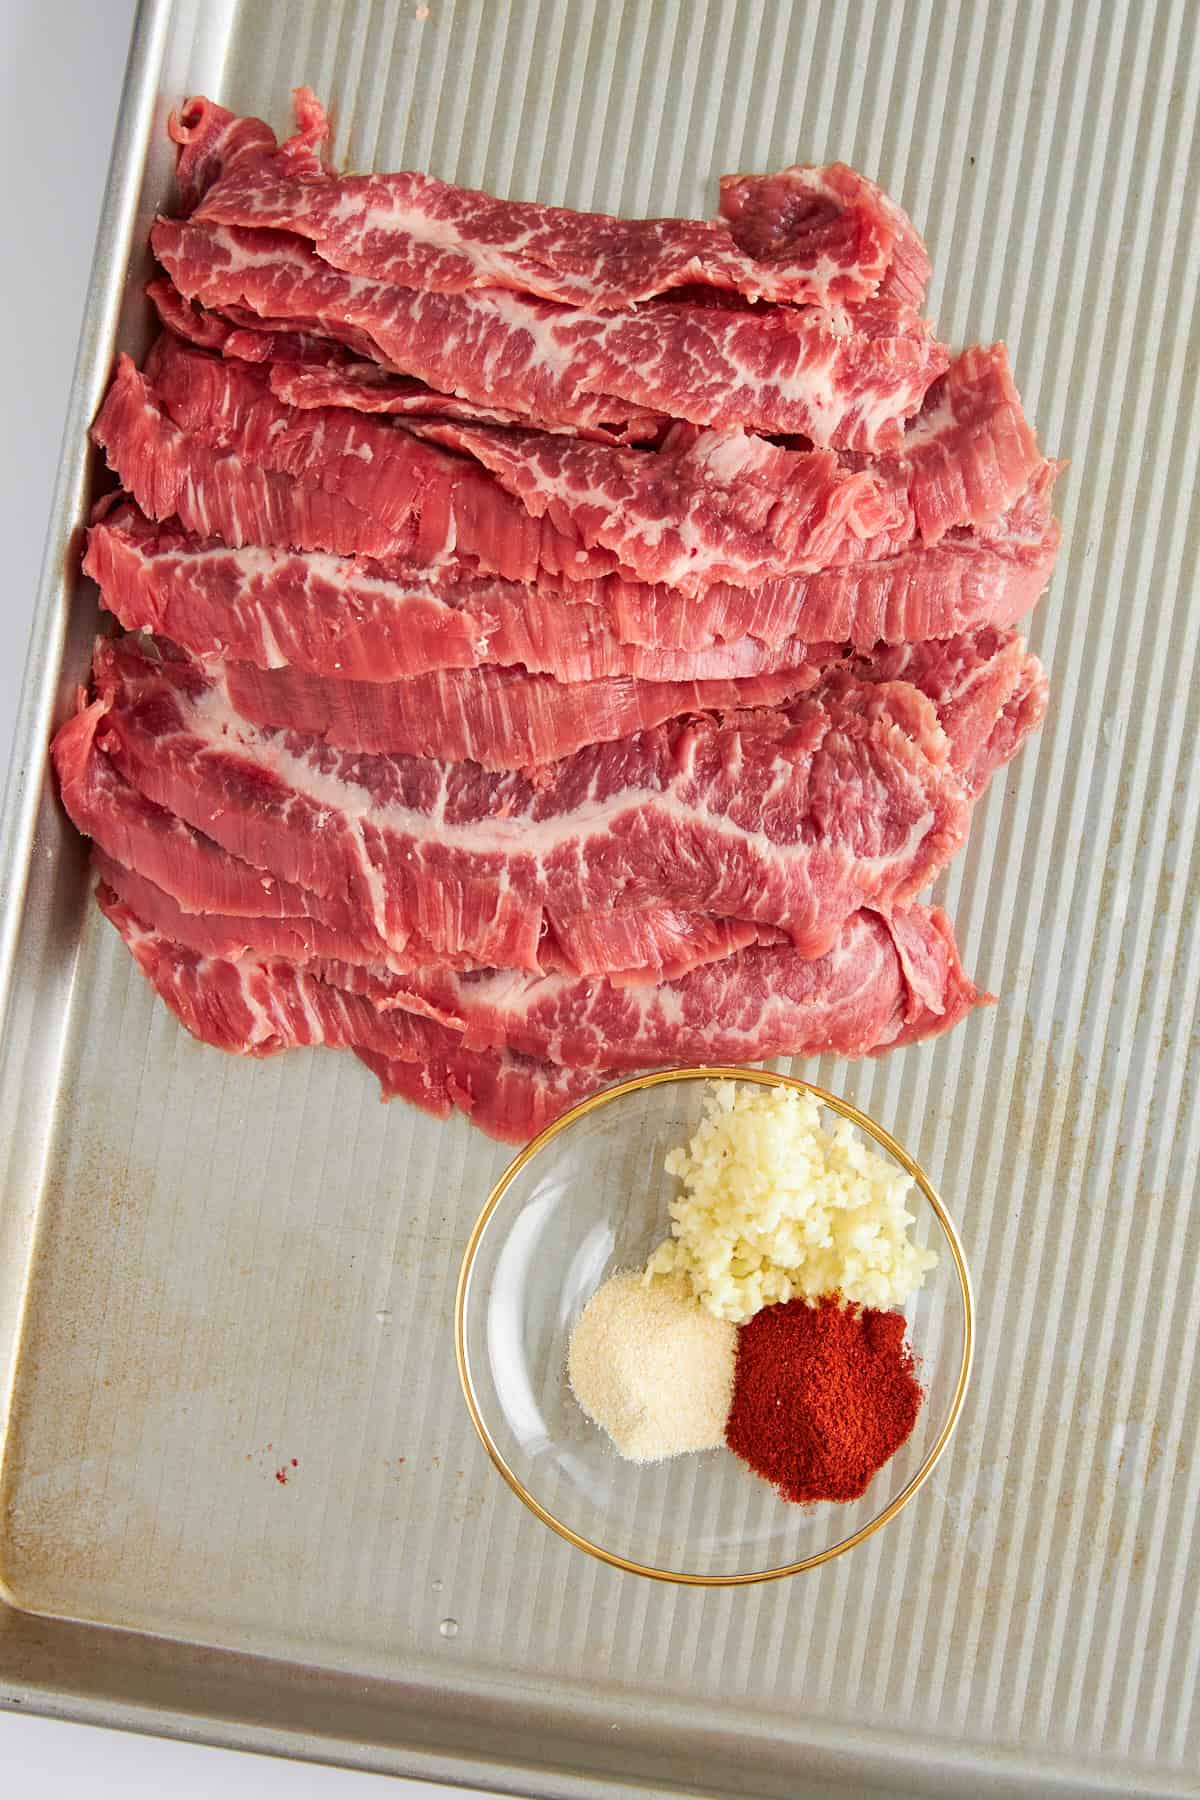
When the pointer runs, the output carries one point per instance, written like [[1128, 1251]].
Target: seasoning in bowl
[[823, 1396], [652, 1368], [767, 1320]]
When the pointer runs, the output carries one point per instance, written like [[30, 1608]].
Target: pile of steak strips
[[559, 645]]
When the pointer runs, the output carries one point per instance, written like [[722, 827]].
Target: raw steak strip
[[508, 719], [205, 439], [235, 407], [258, 1006], [196, 874], [349, 616], [521, 1101], [792, 817], [754, 1003], [728, 507], [635, 944], [857, 1000], [307, 371], [1022, 714], [708, 507], [494, 348], [807, 234], [507, 1096], [969, 455], [212, 140], [990, 693], [763, 1002], [426, 506], [666, 944], [257, 1009], [260, 344], [841, 376], [228, 935], [313, 371], [988, 576], [764, 213], [194, 891], [502, 718], [368, 621], [367, 388]]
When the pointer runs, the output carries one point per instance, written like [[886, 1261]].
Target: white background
[[61, 63]]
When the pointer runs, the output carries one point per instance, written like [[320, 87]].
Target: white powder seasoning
[[652, 1367]]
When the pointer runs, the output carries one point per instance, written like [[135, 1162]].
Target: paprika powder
[[823, 1396]]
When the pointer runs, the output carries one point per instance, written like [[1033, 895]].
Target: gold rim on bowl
[[766, 1078]]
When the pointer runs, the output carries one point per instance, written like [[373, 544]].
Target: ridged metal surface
[[239, 1265]]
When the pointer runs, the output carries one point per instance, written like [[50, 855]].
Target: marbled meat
[[557, 644]]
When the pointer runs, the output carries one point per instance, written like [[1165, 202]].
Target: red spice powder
[[822, 1397]]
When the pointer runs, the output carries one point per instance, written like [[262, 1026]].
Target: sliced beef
[[857, 1000], [806, 235], [366, 620], [256, 1009], [507, 1096], [989, 691], [308, 370], [761, 1002], [845, 376], [572, 643], [501, 718], [793, 816], [731, 507], [196, 892], [414, 502], [509, 719]]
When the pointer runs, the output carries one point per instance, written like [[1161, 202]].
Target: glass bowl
[[589, 1197]]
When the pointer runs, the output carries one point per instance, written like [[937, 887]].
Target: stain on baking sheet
[[202, 1320]]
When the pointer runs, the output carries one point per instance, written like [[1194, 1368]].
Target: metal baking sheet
[[210, 1268]]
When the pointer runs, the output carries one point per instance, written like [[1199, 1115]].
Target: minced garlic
[[775, 1207]]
